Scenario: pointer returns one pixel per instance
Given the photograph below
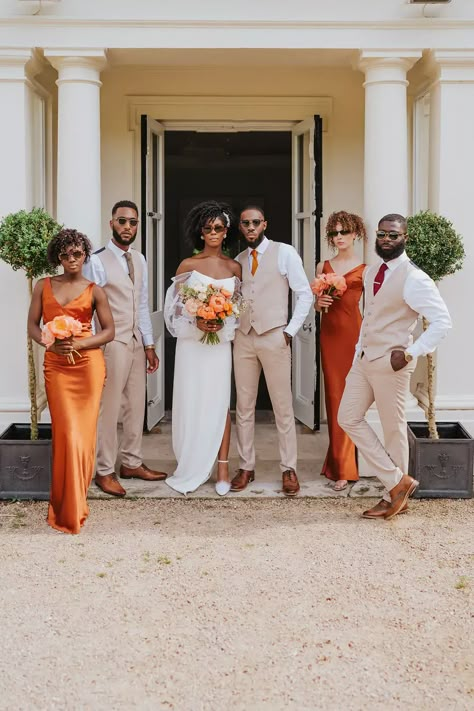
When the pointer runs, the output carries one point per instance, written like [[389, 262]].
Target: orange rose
[[217, 302], [226, 293], [221, 315], [47, 337], [319, 285], [64, 327], [206, 313]]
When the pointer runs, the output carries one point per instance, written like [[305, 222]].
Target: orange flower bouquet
[[210, 303], [333, 285], [60, 328]]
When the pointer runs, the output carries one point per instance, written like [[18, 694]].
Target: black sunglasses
[[247, 223], [334, 233], [215, 228], [133, 222], [380, 234]]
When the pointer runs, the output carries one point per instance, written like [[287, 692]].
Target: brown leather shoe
[[291, 485], [242, 479], [400, 495], [141, 472], [110, 485], [380, 509]]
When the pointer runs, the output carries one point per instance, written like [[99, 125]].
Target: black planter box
[[444, 466], [25, 465]]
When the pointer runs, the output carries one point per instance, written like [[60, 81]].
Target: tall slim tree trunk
[[32, 378], [431, 408]]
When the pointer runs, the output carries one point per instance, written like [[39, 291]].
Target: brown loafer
[[141, 472], [380, 509], [400, 495], [109, 484], [242, 479], [291, 485]]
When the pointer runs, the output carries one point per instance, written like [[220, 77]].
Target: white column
[[386, 135], [386, 179], [451, 195], [78, 174], [14, 195]]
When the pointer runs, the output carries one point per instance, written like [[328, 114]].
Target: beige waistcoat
[[123, 294], [388, 320], [266, 293]]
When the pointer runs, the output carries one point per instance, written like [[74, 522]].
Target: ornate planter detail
[[444, 466], [25, 465]]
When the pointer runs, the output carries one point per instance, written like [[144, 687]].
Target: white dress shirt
[[94, 270], [291, 267], [422, 295]]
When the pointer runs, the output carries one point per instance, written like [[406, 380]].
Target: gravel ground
[[204, 605]]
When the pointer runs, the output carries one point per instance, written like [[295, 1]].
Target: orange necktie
[[254, 261]]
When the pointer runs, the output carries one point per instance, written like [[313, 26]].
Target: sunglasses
[[334, 233], [247, 223], [133, 222], [380, 234], [66, 256], [217, 229]]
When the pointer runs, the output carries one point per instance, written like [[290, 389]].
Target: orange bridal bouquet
[[58, 329], [331, 284], [211, 303]]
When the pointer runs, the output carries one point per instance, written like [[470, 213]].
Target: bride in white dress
[[202, 373]]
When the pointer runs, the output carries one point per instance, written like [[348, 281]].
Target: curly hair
[[348, 221], [200, 214], [65, 239]]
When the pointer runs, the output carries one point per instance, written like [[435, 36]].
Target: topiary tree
[[434, 245], [24, 237]]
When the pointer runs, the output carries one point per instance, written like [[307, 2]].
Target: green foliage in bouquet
[[24, 238], [434, 245]]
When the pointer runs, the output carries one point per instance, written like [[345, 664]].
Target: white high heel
[[222, 487]]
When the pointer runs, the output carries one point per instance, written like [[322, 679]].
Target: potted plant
[[441, 453], [25, 449]]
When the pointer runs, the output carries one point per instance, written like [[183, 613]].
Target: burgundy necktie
[[379, 277]]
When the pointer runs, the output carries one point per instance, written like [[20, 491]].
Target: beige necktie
[[131, 270]]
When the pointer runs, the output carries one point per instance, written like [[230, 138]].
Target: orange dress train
[[339, 335], [74, 392]]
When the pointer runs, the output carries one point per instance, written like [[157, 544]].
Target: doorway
[[251, 167]]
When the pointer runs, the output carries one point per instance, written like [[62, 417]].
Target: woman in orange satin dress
[[340, 328], [73, 389]]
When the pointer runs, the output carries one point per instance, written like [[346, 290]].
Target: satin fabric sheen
[[339, 335], [74, 392]]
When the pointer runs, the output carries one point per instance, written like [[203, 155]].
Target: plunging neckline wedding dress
[[201, 390]]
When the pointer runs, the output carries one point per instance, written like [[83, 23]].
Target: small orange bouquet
[[60, 328], [211, 303], [333, 285]]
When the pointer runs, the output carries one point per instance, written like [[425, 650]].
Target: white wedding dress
[[201, 389]]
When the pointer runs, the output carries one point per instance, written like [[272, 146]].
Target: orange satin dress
[[74, 392], [339, 335]]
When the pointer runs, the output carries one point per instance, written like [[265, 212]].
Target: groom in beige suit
[[269, 270], [122, 272], [396, 293]]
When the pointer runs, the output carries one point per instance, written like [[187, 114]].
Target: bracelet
[[149, 348]]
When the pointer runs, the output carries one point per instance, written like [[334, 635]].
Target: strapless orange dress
[[339, 335], [74, 392]]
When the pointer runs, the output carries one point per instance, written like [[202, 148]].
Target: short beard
[[124, 242], [395, 252], [256, 242]]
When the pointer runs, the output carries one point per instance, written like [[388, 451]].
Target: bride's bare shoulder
[[187, 265]]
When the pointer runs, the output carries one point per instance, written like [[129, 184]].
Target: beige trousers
[[124, 393], [270, 352], [375, 381]]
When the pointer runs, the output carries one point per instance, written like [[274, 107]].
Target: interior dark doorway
[[252, 167]]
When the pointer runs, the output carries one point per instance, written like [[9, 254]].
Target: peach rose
[[64, 327], [192, 306], [319, 285], [226, 293], [47, 337]]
